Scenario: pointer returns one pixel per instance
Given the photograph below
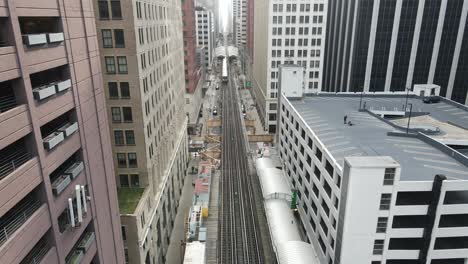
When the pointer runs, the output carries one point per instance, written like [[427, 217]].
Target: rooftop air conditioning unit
[[69, 128], [63, 85], [53, 140], [35, 39], [59, 184], [55, 37], [75, 169], [41, 93]]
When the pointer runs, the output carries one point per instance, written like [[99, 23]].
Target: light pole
[[407, 95], [409, 117]]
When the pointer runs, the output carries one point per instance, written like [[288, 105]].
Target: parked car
[[431, 99]]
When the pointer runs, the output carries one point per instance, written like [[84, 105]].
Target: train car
[[224, 77]]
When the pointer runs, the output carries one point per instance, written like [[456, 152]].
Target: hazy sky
[[224, 12]]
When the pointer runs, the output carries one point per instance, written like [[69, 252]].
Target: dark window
[[124, 233], [317, 173], [135, 180], [378, 247], [455, 220], [123, 180], [406, 243], [124, 90], [382, 224], [116, 9], [113, 91], [389, 176], [451, 243], [329, 168], [385, 201], [106, 38], [318, 154], [110, 64], [119, 38], [130, 137], [409, 221], [119, 137], [327, 188], [456, 197], [116, 116], [121, 160], [127, 114], [132, 160], [414, 198], [324, 226], [103, 9]]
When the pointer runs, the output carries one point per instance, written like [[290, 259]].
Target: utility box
[[291, 80]]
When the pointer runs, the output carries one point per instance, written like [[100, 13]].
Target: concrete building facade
[[58, 200], [286, 32], [205, 31], [239, 15], [192, 68], [142, 55], [393, 45], [370, 192]]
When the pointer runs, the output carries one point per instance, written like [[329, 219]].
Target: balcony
[[14, 118], [50, 82], [57, 130], [21, 173], [43, 42], [38, 253], [9, 65], [86, 241], [64, 175], [13, 157], [75, 257]]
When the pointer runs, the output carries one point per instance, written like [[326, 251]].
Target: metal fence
[[11, 159]]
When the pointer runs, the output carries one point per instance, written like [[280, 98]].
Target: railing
[[11, 161], [7, 103], [36, 255], [16, 217]]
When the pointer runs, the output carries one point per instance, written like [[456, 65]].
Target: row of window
[[152, 33], [119, 90], [122, 114], [116, 10], [108, 41], [124, 137], [292, 42], [111, 68], [147, 11], [291, 31], [293, 7], [127, 160], [278, 20]]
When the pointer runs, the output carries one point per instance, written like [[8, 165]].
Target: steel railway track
[[239, 238]]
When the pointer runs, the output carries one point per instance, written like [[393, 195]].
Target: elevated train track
[[239, 239]]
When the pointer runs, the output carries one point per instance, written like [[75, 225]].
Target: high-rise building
[[205, 31], [142, 56], [372, 191], [392, 45], [286, 32], [58, 201], [239, 15], [250, 27], [193, 69]]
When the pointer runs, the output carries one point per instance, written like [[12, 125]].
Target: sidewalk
[[174, 252]]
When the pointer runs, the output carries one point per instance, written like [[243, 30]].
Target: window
[[106, 38], [127, 114], [103, 9], [123, 180], [119, 137], [116, 10], [382, 224], [124, 90], [135, 179], [130, 137], [132, 160], [124, 233], [378, 247], [389, 176], [385, 201], [121, 160], [119, 38], [110, 65], [113, 91], [116, 116], [122, 64]]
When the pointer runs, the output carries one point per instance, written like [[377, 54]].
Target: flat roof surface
[[368, 136]]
